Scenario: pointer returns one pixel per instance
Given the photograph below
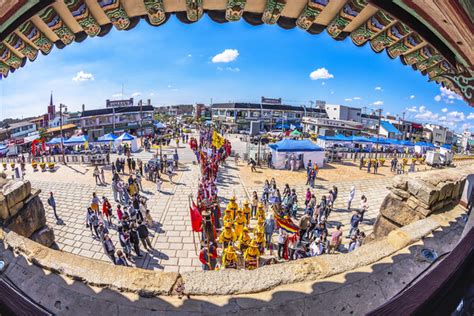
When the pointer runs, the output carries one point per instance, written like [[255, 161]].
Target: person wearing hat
[[227, 236], [232, 206], [260, 239], [251, 256], [260, 210], [246, 209], [260, 225], [229, 258], [228, 218], [244, 240], [207, 226], [240, 222]]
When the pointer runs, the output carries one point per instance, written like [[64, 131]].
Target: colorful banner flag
[[196, 218], [217, 140], [286, 224]]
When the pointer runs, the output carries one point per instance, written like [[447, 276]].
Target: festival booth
[[126, 137], [54, 141], [423, 147], [107, 138], [304, 151], [76, 140], [295, 134], [329, 141]]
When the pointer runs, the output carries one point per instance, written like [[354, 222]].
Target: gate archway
[[433, 37]]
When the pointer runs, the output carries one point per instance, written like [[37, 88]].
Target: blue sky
[[179, 63]]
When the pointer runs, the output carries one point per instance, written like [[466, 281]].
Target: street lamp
[[61, 106]]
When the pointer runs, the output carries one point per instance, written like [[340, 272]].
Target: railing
[[95, 159]]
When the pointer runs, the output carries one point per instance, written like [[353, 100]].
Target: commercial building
[[133, 119], [176, 110], [343, 113], [237, 116], [438, 134], [21, 129], [387, 130], [330, 127]]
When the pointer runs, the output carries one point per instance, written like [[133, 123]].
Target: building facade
[[343, 113], [330, 127], [237, 116], [133, 119]]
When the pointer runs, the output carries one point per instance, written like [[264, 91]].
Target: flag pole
[[192, 230]]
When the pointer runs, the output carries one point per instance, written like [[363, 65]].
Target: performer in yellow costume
[[229, 258], [232, 206], [251, 256], [228, 217], [240, 222], [260, 211], [244, 240], [260, 225], [246, 209], [260, 239], [227, 236]]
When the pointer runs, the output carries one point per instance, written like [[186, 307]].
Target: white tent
[[304, 151], [126, 137]]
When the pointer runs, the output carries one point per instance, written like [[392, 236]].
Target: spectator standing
[[52, 203]]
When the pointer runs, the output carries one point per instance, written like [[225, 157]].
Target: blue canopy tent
[[159, 125], [407, 143], [54, 141], [110, 137], [304, 150], [126, 137], [76, 140]]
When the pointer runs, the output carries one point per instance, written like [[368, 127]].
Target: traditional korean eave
[[433, 37]]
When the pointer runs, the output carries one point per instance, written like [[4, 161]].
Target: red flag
[[196, 218]]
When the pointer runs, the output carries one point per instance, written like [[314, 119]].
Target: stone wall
[[416, 196], [22, 211]]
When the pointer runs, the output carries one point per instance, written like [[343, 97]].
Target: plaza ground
[[175, 247]]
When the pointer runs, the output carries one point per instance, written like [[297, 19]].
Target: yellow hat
[[260, 205], [228, 210], [230, 249], [246, 229], [253, 243], [228, 225], [246, 202], [232, 199], [239, 210], [260, 220]]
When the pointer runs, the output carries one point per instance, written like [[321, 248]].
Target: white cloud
[[378, 88], [412, 109], [348, 100], [331, 92], [320, 73], [444, 110], [356, 98], [470, 116], [378, 103], [323, 83], [116, 95], [456, 116], [422, 109], [412, 97], [236, 69], [447, 96], [83, 76], [190, 55], [427, 116], [170, 86], [226, 56], [136, 94], [388, 113], [151, 94]]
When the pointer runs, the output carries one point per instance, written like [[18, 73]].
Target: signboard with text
[[119, 103], [271, 101]]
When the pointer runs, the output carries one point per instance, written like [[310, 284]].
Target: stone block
[[29, 219], [4, 214], [16, 208], [423, 191], [400, 182], [383, 226], [44, 236], [16, 191], [401, 193], [398, 211]]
